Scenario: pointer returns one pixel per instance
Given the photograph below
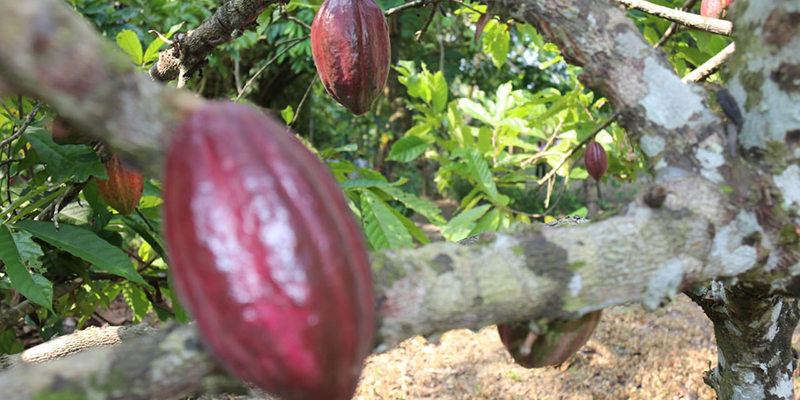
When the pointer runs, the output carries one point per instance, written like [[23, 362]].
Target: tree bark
[[754, 339]]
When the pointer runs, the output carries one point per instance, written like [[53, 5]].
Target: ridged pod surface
[[595, 160], [266, 254], [557, 344], [123, 188], [350, 45]]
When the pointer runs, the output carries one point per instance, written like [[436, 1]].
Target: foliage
[[494, 121]]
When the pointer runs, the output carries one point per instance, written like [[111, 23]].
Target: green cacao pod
[[595, 160], [559, 341], [266, 254], [350, 45], [123, 188]]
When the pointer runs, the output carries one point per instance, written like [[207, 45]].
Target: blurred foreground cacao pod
[[714, 8], [123, 189], [557, 344], [350, 45], [266, 254], [595, 159]]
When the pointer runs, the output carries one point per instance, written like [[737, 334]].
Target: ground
[[632, 355]]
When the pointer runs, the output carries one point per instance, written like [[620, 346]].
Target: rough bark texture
[[720, 214], [754, 340]]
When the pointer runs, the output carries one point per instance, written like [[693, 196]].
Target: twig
[[29, 120], [9, 161], [415, 3], [16, 313], [146, 221], [253, 78], [673, 26], [546, 212], [465, 5], [303, 100], [572, 151], [297, 21], [712, 65], [428, 22], [691, 20]]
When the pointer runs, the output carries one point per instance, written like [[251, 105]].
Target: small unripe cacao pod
[[266, 254], [559, 341], [350, 45], [123, 188], [595, 160]]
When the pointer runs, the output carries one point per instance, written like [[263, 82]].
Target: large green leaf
[[381, 226], [129, 42], [21, 278], [78, 162], [495, 41], [137, 300], [479, 169], [423, 207], [409, 147], [439, 92], [459, 227], [86, 245]]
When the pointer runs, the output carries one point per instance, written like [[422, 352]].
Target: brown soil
[[632, 355]]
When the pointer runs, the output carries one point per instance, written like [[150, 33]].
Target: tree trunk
[[754, 341]]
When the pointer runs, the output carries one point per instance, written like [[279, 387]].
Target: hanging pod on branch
[[350, 45], [266, 254]]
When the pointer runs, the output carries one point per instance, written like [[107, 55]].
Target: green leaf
[[137, 301], [287, 114], [129, 42], [78, 162], [495, 41], [21, 278], [459, 227], [479, 169], [409, 147], [381, 226], [489, 222], [425, 208], [456, 127], [475, 110], [151, 54], [87, 245], [439, 92], [412, 228]]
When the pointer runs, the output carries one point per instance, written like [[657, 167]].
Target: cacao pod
[[123, 188], [266, 254], [556, 344], [350, 45], [714, 8], [595, 160], [64, 133]]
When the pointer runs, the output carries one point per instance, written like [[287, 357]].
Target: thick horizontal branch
[[713, 25]]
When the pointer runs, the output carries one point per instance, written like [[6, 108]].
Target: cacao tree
[[615, 82]]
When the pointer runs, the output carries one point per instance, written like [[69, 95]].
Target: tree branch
[[713, 25], [712, 65]]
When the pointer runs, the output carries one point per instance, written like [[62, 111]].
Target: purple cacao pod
[[266, 254], [350, 45], [560, 340], [595, 159]]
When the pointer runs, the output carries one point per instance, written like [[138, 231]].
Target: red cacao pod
[[123, 188], [595, 159], [350, 45], [267, 255], [559, 341]]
